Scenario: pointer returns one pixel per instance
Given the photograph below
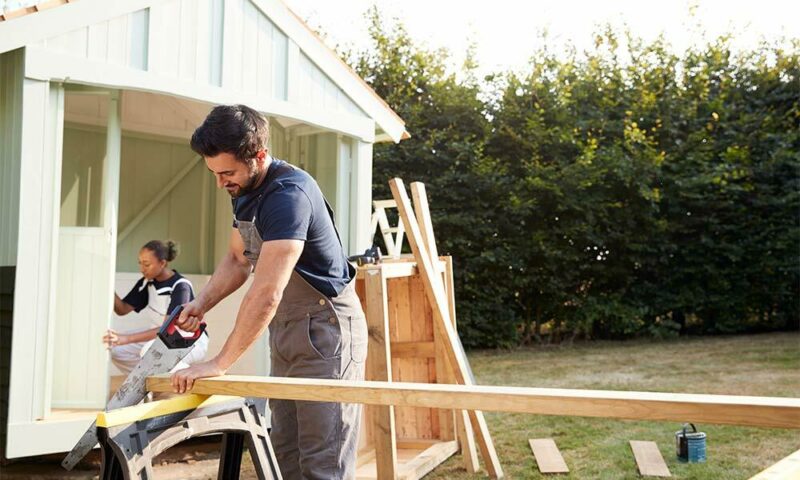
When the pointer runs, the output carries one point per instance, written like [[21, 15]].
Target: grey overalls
[[314, 336]]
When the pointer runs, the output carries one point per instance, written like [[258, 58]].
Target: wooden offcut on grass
[[761, 365]]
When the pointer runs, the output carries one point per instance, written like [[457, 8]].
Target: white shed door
[[83, 310], [86, 264]]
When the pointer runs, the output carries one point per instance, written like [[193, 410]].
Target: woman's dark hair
[[234, 129], [163, 250]]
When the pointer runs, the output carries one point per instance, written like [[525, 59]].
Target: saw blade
[[158, 359]]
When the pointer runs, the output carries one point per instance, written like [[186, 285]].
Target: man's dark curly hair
[[235, 129]]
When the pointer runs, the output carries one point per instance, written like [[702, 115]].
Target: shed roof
[[21, 21]]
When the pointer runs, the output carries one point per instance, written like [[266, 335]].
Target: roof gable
[[262, 49]]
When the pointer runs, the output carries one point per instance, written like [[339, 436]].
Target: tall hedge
[[617, 192]]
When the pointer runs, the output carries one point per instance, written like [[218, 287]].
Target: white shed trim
[[42, 64], [330, 63]]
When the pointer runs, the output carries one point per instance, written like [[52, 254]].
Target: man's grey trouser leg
[[317, 440]]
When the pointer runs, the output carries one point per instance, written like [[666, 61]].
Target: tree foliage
[[621, 191]]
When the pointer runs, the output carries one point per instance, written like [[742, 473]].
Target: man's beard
[[249, 186]]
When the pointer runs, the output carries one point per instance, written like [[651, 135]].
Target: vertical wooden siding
[[228, 43]]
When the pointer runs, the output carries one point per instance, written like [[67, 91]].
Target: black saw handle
[[171, 336]]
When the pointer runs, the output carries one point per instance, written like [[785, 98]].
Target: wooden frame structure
[[406, 441]]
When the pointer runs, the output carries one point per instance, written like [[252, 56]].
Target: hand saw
[[169, 348]]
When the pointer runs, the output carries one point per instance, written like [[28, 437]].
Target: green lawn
[[766, 364]]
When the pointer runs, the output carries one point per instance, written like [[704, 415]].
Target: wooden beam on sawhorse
[[771, 412]]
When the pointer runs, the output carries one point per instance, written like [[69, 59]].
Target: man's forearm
[[255, 314], [229, 275]]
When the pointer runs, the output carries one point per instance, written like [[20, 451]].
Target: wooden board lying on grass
[[649, 459], [776, 412], [786, 469], [548, 458]]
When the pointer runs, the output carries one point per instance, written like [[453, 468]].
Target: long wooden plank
[[548, 458], [422, 211], [786, 469], [776, 412], [649, 459], [434, 289], [379, 365]]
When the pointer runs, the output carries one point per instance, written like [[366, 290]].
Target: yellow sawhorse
[[130, 438]]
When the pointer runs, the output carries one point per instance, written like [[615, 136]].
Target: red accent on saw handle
[[170, 335]]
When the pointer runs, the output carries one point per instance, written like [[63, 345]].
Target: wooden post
[[441, 313], [379, 366], [462, 425]]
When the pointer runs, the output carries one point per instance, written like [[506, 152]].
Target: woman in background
[[155, 295]]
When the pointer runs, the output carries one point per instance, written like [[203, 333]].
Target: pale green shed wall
[[194, 213]]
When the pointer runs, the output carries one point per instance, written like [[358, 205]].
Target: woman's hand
[[183, 380], [191, 316], [114, 339]]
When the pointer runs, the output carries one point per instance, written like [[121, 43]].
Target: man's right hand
[[191, 316]]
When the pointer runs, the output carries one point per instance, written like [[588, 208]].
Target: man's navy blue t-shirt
[[288, 205]]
